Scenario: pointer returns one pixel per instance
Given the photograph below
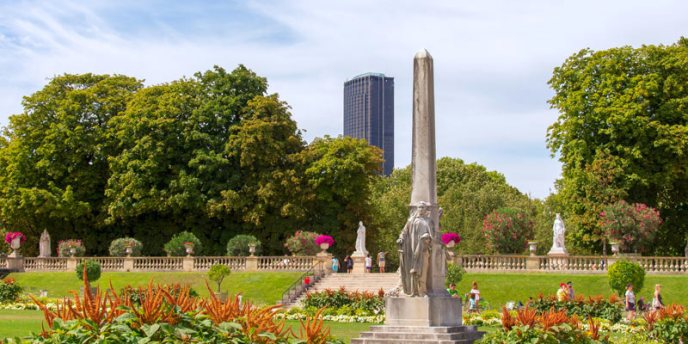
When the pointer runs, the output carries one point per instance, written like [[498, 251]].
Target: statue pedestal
[[423, 311], [359, 263], [557, 252]]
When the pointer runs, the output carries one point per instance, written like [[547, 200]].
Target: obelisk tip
[[423, 54]]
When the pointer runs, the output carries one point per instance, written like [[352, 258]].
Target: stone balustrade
[[567, 264], [143, 264]]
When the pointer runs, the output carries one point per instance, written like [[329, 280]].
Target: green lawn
[[497, 289], [260, 287]]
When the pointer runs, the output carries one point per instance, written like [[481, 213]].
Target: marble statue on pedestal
[[44, 245], [360, 240], [559, 235], [414, 251]]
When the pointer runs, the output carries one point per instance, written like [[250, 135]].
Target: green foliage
[[93, 270], [454, 274], [563, 333], [584, 308], [64, 248], [217, 274], [671, 329], [9, 290], [622, 134], [624, 272], [175, 247], [507, 230], [302, 243], [342, 302], [632, 225], [238, 245], [466, 192], [118, 247]]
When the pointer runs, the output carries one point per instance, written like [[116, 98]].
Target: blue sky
[[492, 58]]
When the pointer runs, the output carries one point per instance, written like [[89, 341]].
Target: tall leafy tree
[[54, 154], [622, 134]]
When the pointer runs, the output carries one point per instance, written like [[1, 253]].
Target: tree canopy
[[622, 133]]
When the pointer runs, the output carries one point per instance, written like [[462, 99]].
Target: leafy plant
[[9, 290], [118, 247], [92, 270], [507, 230], [343, 302], [454, 274], [175, 247], [632, 225], [302, 243], [238, 245], [624, 272], [590, 307], [64, 248], [217, 274]]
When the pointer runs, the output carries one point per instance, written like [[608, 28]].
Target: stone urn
[[532, 247], [451, 244], [324, 246], [16, 243], [189, 246], [615, 247], [128, 250], [72, 251], [252, 249]]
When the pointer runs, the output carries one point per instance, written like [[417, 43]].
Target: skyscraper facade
[[369, 113]]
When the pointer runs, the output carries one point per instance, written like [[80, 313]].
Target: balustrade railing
[[234, 263], [45, 264], [662, 264], [286, 263], [108, 263], [573, 263], [158, 263], [3, 263], [496, 263]]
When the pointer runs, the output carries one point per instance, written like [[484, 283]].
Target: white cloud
[[492, 59]]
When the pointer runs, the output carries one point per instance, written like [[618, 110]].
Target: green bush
[[342, 302], [671, 330], [302, 243], [64, 247], [175, 247], [454, 274], [584, 308], [624, 272], [217, 273], [118, 247], [238, 245], [92, 270], [9, 290]]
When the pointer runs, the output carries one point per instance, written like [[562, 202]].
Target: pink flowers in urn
[[324, 241], [450, 239], [11, 236]]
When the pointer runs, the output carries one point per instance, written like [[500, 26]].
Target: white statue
[[44, 245], [360, 240], [558, 247]]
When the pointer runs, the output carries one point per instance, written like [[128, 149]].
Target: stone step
[[380, 334], [423, 329]]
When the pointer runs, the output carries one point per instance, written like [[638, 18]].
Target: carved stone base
[[359, 264], [419, 335], [557, 252], [423, 311]]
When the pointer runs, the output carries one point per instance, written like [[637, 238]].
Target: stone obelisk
[[424, 311]]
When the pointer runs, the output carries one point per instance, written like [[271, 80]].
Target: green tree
[[622, 133], [53, 156]]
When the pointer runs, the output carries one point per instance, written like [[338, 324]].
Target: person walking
[[335, 264], [630, 302], [368, 264], [572, 295], [349, 264], [657, 302], [381, 261]]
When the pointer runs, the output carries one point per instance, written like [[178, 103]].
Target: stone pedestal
[[251, 263], [71, 263], [128, 264], [15, 263], [359, 264], [187, 264], [533, 263], [326, 259], [423, 311]]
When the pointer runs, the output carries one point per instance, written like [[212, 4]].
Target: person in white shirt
[[476, 292], [369, 264]]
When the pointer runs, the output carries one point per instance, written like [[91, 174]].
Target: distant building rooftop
[[368, 74]]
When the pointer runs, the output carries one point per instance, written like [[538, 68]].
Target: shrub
[[217, 273], [342, 302], [507, 230], [118, 247], [9, 290], [454, 274], [302, 243], [64, 247], [624, 272], [175, 247], [92, 270], [633, 225], [584, 308], [238, 245]]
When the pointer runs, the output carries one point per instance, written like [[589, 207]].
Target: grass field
[[497, 289], [259, 287]]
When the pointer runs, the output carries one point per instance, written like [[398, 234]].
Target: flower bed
[[343, 302], [584, 307]]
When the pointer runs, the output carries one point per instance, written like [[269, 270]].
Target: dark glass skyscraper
[[369, 113]]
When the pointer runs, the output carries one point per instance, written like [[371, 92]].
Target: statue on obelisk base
[[44, 245], [424, 308], [360, 254]]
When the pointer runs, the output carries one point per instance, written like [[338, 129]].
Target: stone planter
[[128, 250], [252, 249], [324, 246], [615, 247], [16, 243], [451, 244], [532, 247], [72, 251], [189, 249]]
